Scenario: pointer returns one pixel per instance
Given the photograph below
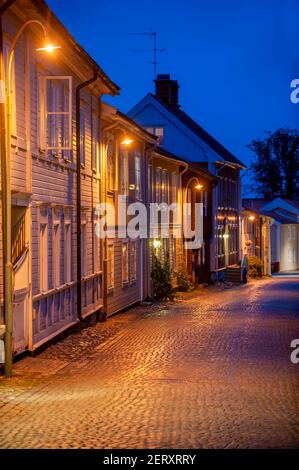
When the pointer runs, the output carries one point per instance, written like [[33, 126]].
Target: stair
[[233, 274]]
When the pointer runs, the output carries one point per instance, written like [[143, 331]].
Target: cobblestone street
[[211, 370]]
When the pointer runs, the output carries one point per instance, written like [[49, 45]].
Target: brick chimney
[[167, 90]]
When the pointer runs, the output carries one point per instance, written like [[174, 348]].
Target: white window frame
[[158, 185], [125, 262], [67, 249], [124, 172], [137, 162], [56, 253], [96, 244], [83, 247], [95, 140], [6, 51], [44, 113], [82, 137], [43, 250], [110, 265]]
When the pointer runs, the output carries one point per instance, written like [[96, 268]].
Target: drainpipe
[[78, 167]]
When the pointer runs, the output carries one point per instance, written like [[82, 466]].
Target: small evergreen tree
[[163, 289], [183, 279]]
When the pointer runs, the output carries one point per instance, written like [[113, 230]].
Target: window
[[110, 266], [158, 185], [174, 255], [43, 249], [96, 243], [133, 261], [291, 232], [82, 136], [111, 158], [164, 186], [124, 173], [95, 141], [137, 176], [6, 52], [55, 127], [174, 186], [158, 132], [56, 251], [125, 263], [67, 250], [83, 249]]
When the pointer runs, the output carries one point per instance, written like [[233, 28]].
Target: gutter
[[78, 201]]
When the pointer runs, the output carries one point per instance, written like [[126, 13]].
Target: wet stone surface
[[210, 370]]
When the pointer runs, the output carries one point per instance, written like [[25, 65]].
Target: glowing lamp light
[[251, 217], [48, 48], [199, 186], [157, 243], [127, 141]]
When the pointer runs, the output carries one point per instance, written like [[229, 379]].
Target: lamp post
[[6, 197]]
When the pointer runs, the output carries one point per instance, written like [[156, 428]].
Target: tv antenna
[[153, 36]]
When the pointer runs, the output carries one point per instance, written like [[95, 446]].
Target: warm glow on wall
[[157, 243], [199, 186]]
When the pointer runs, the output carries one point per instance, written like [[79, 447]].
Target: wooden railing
[[18, 238]]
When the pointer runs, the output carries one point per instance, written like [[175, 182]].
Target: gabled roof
[[275, 208], [53, 23], [196, 129]]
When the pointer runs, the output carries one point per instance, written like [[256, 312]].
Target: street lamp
[[6, 197]]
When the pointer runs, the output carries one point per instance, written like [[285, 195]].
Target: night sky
[[234, 59]]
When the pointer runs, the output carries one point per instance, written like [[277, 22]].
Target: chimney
[[167, 90]]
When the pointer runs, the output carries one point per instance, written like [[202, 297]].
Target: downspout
[[78, 202]]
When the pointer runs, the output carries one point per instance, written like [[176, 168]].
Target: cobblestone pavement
[[207, 371]]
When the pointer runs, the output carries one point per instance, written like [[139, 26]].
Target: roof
[[133, 123], [200, 132], [196, 166], [52, 20], [279, 213], [254, 204], [281, 218]]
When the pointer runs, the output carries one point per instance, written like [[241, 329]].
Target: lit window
[[124, 173], [110, 266], [67, 250], [158, 185], [111, 156], [133, 261], [95, 141], [164, 186], [6, 52], [158, 132], [82, 136], [55, 100], [125, 263], [43, 249], [56, 254], [137, 176], [83, 249]]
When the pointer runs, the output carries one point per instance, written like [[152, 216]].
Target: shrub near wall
[[255, 267], [161, 277]]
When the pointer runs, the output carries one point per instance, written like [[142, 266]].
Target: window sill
[[125, 284]]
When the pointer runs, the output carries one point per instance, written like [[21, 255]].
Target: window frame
[[125, 279]]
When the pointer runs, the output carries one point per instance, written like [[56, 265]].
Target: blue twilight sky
[[234, 59]]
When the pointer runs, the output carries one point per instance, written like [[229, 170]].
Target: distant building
[[179, 134], [284, 214]]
